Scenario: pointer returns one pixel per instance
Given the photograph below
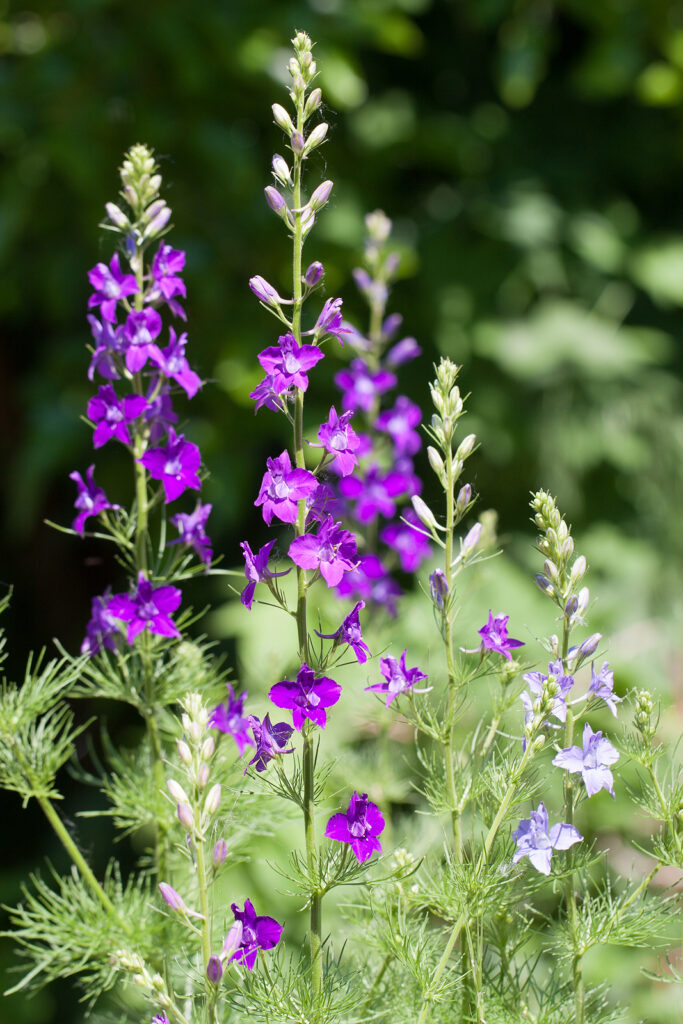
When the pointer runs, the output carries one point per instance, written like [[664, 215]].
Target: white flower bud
[[203, 775], [282, 118], [281, 170], [568, 547], [117, 216], [316, 137], [578, 570], [196, 731], [313, 102], [436, 462], [184, 752], [466, 446], [213, 799], [177, 792], [321, 195], [185, 815], [423, 512], [471, 540], [208, 748]]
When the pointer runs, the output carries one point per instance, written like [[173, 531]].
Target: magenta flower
[[142, 328], [332, 550], [602, 686], [494, 636], [148, 608], [331, 321], [112, 414], [109, 343], [256, 570], [370, 580], [399, 423], [306, 697], [339, 439], [166, 268], [288, 362], [270, 741], [323, 502], [110, 284], [101, 629], [160, 1018], [592, 762], [173, 364], [176, 465], [361, 387], [191, 527], [258, 932], [536, 842], [229, 718], [90, 500], [397, 678], [350, 633], [282, 488], [359, 827], [375, 494], [408, 541], [265, 394]]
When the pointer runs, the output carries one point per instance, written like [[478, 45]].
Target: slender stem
[[450, 660], [206, 922]]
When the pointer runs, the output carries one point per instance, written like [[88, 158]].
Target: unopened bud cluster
[[152, 983], [643, 714], [562, 572], [147, 215], [196, 810]]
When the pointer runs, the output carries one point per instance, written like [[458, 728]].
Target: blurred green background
[[531, 155]]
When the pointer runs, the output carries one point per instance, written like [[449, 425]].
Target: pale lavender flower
[[602, 686], [148, 608], [536, 842], [350, 633], [592, 761], [306, 697], [229, 718], [403, 352], [359, 826], [101, 629], [537, 682], [397, 678], [332, 550]]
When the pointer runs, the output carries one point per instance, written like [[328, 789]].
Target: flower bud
[[203, 775], [220, 852], [471, 540], [275, 201], [214, 970], [208, 748], [158, 223], [213, 799], [438, 587], [185, 815], [196, 731], [589, 646], [463, 499], [232, 940], [578, 570], [378, 225], [281, 170], [313, 102], [538, 743], [403, 352], [264, 292], [544, 584], [313, 274], [282, 118], [582, 600], [436, 462], [316, 137], [321, 195], [307, 220], [568, 547], [297, 142], [571, 607], [177, 791], [466, 446], [117, 216], [423, 512], [184, 752], [170, 896]]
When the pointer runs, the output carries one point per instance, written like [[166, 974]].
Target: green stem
[[570, 895], [450, 661], [206, 922]]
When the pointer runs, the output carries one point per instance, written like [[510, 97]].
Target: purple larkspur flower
[[282, 488], [288, 363], [602, 686], [592, 761], [399, 423], [404, 351], [494, 636], [167, 265], [109, 343], [332, 550], [536, 842], [359, 827], [176, 464], [270, 741], [397, 677], [306, 697], [90, 500], [112, 414], [142, 328], [374, 493], [339, 438], [101, 629], [174, 365], [229, 718], [160, 1018], [148, 608], [537, 683], [265, 394], [408, 540], [191, 527], [331, 321], [110, 284], [258, 932], [256, 570], [350, 633], [361, 386], [322, 502], [370, 580], [160, 414]]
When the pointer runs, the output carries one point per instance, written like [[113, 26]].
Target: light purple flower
[[332, 550], [361, 387], [109, 342], [306, 697], [166, 268], [339, 438], [256, 570], [160, 1018], [410, 543], [90, 500], [191, 527], [403, 351], [172, 898], [494, 636], [174, 365], [397, 678], [350, 633], [289, 362], [375, 493], [176, 465], [399, 423], [537, 843], [148, 608], [101, 629], [142, 328], [602, 686], [112, 414], [270, 740], [229, 718], [110, 284], [592, 762], [282, 488], [330, 320], [537, 682], [258, 932], [359, 827]]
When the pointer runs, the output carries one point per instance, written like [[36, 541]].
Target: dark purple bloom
[[148, 608], [593, 761], [142, 328], [229, 718], [101, 628], [332, 550], [359, 827], [330, 320], [494, 636], [403, 352], [602, 686], [109, 343], [110, 284], [350, 633], [323, 502], [361, 387], [282, 488], [438, 587], [399, 423], [256, 570], [173, 364], [166, 268], [537, 682], [339, 438], [176, 465], [411, 544], [159, 414], [265, 394], [397, 678], [288, 363], [375, 493], [307, 697], [270, 740], [214, 969], [537, 843], [160, 1018], [112, 414], [258, 932], [191, 527], [91, 499]]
